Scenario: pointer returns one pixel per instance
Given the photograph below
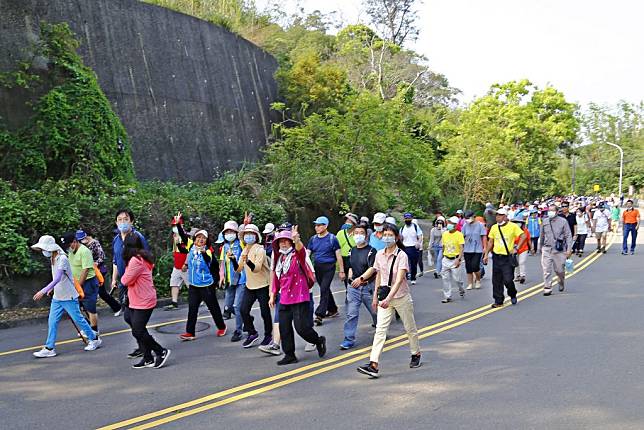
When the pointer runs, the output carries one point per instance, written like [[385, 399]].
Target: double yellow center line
[[231, 395]]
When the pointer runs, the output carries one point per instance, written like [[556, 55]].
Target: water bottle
[[569, 265]]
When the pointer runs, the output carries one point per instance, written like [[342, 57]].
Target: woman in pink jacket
[[291, 282], [142, 300]]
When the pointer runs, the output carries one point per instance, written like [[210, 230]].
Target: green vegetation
[[366, 126]]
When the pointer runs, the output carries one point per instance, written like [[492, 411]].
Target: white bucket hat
[[231, 225], [47, 243], [252, 228], [201, 232]]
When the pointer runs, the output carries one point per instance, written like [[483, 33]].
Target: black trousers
[[297, 315], [147, 344], [580, 243], [412, 253], [346, 263], [535, 243], [421, 265], [196, 295], [502, 276], [324, 274], [261, 295], [111, 301]]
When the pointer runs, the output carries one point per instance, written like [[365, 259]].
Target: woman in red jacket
[[142, 300]]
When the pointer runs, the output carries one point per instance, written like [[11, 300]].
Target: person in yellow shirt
[[452, 270], [501, 242]]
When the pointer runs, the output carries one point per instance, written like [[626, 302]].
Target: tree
[[397, 18]]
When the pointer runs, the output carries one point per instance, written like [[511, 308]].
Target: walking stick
[[78, 331]]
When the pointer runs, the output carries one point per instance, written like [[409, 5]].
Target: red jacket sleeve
[[132, 272]]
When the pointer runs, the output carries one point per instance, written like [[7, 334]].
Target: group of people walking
[[376, 260]]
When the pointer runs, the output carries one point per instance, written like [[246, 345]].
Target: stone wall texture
[[193, 97]]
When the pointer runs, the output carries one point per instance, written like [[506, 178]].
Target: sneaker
[[135, 354], [333, 314], [599, 250], [237, 336], [413, 282], [469, 287], [287, 360], [369, 370], [321, 347], [421, 274], [272, 349], [477, 285], [118, 313], [624, 253], [310, 347], [346, 345], [436, 275], [221, 332], [547, 292], [93, 345], [251, 340], [161, 359], [227, 315], [267, 340], [522, 280], [496, 305], [461, 292], [513, 300], [446, 300], [318, 321], [562, 287], [171, 307], [45, 353], [603, 249], [187, 336], [632, 252], [415, 361], [143, 364]]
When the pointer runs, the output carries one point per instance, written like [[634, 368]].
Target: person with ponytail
[[392, 295], [142, 299]]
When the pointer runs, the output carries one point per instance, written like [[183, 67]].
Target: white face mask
[[46, 254], [470, 220], [230, 237], [359, 238], [502, 222], [378, 227], [286, 251], [552, 214]]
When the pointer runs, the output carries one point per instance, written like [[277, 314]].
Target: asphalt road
[[567, 361]]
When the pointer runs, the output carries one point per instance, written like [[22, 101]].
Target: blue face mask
[[124, 227], [250, 239], [346, 226], [388, 240]]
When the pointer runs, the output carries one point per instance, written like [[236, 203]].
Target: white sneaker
[[413, 282], [93, 344], [310, 347], [45, 353], [273, 349], [469, 287], [477, 285], [118, 313]]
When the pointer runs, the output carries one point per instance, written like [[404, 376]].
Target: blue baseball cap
[[408, 215], [321, 220], [80, 235]]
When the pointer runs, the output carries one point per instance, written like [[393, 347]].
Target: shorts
[[178, 277], [472, 261], [90, 288], [599, 234]]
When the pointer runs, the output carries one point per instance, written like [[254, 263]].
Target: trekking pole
[[78, 331]]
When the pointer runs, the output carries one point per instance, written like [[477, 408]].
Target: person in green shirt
[[345, 237], [82, 264], [614, 215]]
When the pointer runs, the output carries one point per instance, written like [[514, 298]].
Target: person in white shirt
[[412, 237], [601, 226], [583, 225]]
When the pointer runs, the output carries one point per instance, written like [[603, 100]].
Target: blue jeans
[[629, 229], [438, 262], [357, 297], [56, 310], [232, 301]]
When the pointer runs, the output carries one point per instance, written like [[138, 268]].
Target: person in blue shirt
[[325, 250], [534, 228], [375, 239], [124, 224]]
